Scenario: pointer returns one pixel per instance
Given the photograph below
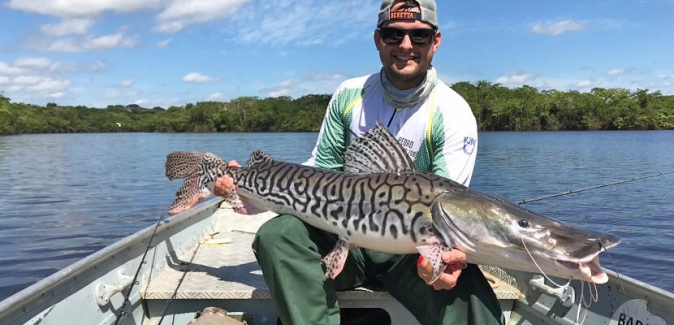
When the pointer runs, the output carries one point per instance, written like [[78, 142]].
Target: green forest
[[496, 107]]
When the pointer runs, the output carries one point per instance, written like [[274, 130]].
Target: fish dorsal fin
[[377, 151], [257, 157]]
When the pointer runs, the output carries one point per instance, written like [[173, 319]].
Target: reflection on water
[[65, 196]]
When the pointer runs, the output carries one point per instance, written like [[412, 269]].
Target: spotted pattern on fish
[[200, 170], [434, 252], [335, 259]]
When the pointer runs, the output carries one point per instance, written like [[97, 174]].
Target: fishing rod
[[123, 313], [592, 187]]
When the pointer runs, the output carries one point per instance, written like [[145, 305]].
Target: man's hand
[[225, 184], [455, 260]]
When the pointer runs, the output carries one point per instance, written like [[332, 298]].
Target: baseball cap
[[429, 13]]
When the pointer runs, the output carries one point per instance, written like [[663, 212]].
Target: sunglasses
[[418, 37]]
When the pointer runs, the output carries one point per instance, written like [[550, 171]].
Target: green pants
[[290, 251]]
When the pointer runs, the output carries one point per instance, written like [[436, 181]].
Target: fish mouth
[[588, 268], [589, 271]]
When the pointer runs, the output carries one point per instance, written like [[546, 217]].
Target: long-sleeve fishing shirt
[[439, 133]]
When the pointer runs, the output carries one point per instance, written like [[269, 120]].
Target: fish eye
[[523, 223]]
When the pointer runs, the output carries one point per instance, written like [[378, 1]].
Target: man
[[437, 128]]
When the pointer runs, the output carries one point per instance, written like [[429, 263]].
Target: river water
[[65, 196]]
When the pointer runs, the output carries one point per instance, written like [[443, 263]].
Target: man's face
[[405, 63]]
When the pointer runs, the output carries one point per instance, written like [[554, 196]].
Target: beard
[[408, 76]]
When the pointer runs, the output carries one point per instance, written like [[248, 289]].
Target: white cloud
[[114, 93], [37, 63], [550, 82], [81, 8], [126, 83], [328, 77], [584, 81], [584, 84], [110, 41], [515, 79], [43, 86], [68, 27], [58, 94], [118, 40], [180, 13], [6, 69], [279, 93], [663, 84], [215, 96], [164, 43], [50, 85], [617, 71], [33, 78], [558, 28], [41, 65], [169, 27], [303, 21], [305, 83], [284, 88], [26, 80], [94, 67], [194, 77]]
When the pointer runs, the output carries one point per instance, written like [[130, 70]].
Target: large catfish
[[381, 203]]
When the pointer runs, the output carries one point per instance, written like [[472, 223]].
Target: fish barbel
[[381, 203]]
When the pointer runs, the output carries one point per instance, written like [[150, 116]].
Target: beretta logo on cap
[[404, 15]]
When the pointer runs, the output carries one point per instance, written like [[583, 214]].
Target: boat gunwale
[[622, 282], [29, 297]]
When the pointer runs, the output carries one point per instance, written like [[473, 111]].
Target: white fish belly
[[386, 244], [402, 244]]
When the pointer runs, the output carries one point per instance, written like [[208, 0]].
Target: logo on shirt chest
[[408, 145], [469, 145]]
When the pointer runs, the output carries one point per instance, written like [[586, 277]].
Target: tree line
[[496, 107]]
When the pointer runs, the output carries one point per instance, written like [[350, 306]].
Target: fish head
[[494, 231]]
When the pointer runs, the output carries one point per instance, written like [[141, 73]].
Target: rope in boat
[[592, 187], [123, 313]]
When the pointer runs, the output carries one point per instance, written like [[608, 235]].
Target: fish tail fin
[[433, 253], [200, 171]]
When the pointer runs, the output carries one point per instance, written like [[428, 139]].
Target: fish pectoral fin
[[433, 253], [242, 205], [334, 261], [188, 196], [235, 202]]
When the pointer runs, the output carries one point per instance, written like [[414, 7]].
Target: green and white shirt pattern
[[439, 132]]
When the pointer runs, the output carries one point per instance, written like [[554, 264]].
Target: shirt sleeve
[[455, 143], [328, 153]]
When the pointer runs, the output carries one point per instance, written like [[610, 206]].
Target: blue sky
[[172, 52]]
